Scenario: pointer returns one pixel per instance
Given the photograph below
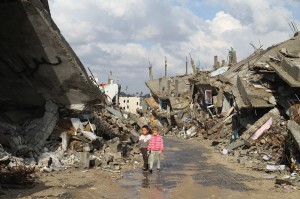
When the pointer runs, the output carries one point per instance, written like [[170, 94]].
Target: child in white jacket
[[144, 142]]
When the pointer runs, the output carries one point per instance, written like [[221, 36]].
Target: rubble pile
[[53, 114], [248, 109], [80, 139], [17, 176], [98, 139]]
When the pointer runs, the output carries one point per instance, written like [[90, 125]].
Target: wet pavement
[[184, 160]]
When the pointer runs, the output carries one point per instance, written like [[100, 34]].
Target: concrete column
[[169, 87], [117, 99], [186, 66], [234, 58], [160, 84], [193, 64], [216, 63], [150, 73], [176, 88], [165, 66], [223, 62], [84, 160]]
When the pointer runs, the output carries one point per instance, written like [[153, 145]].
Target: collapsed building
[[44, 84], [39, 73], [52, 115], [250, 108]]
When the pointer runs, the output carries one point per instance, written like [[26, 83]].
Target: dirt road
[[190, 169]]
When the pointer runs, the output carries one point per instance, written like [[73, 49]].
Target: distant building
[[130, 104], [111, 91]]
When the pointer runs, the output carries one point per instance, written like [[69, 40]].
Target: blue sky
[[122, 36]]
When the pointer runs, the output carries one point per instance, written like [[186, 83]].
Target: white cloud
[[224, 22], [147, 32], [123, 35], [263, 16]]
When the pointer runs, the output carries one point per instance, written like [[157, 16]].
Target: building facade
[[130, 104]]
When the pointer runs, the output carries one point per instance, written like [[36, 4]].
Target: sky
[[118, 39]]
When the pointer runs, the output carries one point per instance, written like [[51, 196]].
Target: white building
[[111, 90], [130, 104]]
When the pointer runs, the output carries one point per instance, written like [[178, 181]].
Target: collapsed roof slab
[[286, 62], [36, 61], [152, 103], [229, 76], [179, 103], [159, 87], [258, 98], [274, 113], [285, 75]]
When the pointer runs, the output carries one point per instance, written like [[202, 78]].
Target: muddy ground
[[190, 169]]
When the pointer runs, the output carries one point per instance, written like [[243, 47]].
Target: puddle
[[180, 161]]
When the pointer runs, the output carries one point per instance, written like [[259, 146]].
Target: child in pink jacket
[[155, 148]]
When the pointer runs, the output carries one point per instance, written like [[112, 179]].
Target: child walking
[[155, 148], [144, 142]]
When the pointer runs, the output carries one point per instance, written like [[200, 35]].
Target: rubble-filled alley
[[61, 137]]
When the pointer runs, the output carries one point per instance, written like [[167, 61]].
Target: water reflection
[[158, 182], [145, 181], [152, 181]]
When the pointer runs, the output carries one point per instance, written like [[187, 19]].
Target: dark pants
[[145, 157]]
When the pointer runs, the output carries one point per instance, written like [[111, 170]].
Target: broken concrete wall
[[40, 71], [163, 85], [294, 128], [36, 61], [28, 137], [292, 68], [241, 87], [39, 130]]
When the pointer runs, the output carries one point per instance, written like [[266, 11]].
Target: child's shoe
[[150, 170], [158, 169]]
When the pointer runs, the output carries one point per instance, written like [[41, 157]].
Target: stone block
[[242, 161], [65, 136], [236, 153], [107, 157], [248, 164], [134, 136], [115, 147], [243, 152], [256, 156], [84, 160], [117, 156], [98, 162]]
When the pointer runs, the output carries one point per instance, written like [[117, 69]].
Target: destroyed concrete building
[[262, 91], [53, 116], [45, 85], [171, 96], [40, 72]]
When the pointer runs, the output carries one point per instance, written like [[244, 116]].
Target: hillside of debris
[[248, 109]]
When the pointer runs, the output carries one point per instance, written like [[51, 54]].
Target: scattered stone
[[84, 160]]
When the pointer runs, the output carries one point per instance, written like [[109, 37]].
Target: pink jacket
[[156, 143]]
